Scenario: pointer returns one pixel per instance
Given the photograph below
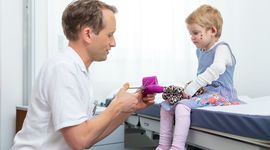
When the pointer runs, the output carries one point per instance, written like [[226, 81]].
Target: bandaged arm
[[222, 58]]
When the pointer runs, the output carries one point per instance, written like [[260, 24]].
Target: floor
[[143, 142]]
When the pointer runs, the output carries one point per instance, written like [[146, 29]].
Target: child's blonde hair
[[207, 17]]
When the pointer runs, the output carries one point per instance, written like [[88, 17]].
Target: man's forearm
[[86, 134], [116, 122]]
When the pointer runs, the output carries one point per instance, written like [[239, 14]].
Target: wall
[[246, 28], [10, 68]]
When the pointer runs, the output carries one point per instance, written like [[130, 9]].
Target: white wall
[[246, 28], [10, 68]]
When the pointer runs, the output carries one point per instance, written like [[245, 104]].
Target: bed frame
[[198, 137]]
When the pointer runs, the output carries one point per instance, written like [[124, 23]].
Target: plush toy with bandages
[[172, 93]]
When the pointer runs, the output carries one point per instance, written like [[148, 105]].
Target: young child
[[214, 73]]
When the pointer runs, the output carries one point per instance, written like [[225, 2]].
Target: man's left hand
[[145, 100]]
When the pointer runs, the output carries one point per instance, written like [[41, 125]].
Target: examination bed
[[245, 126]]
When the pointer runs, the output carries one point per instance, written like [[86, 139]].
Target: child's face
[[201, 37]]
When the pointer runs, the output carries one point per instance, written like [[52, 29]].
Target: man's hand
[[145, 100], [131, 102], [124, 101]]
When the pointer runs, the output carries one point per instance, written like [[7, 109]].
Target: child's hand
[[186, 96]]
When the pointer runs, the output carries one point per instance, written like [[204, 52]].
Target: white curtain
[[151, 39]]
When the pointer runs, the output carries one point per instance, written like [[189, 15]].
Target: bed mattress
[[251, 120]]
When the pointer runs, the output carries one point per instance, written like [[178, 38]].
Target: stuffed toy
[[172, 93]]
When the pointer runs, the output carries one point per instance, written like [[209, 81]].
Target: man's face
[[101, 44]]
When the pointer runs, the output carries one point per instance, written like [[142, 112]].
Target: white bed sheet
[[253, 106]]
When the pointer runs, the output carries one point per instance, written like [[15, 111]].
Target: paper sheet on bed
[[253, 106]]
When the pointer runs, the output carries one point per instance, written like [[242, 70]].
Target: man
[[60, 115]]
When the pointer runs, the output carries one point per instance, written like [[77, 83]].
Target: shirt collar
[[77, 59], [211, 47]]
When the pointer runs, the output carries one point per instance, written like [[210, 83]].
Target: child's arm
[[222, 58]]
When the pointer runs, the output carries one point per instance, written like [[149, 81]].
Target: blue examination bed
[[245, 126]]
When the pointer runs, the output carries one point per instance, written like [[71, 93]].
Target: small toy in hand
[[150, 86], [173, 94]]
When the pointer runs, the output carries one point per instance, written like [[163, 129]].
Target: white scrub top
[[61, 97]]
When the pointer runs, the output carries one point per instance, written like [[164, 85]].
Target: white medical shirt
[[62, 97]]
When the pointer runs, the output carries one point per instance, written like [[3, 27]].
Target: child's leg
[[166, 129], [182, 123]]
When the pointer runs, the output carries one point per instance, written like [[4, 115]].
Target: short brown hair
[[84, 13], [207, 17]]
